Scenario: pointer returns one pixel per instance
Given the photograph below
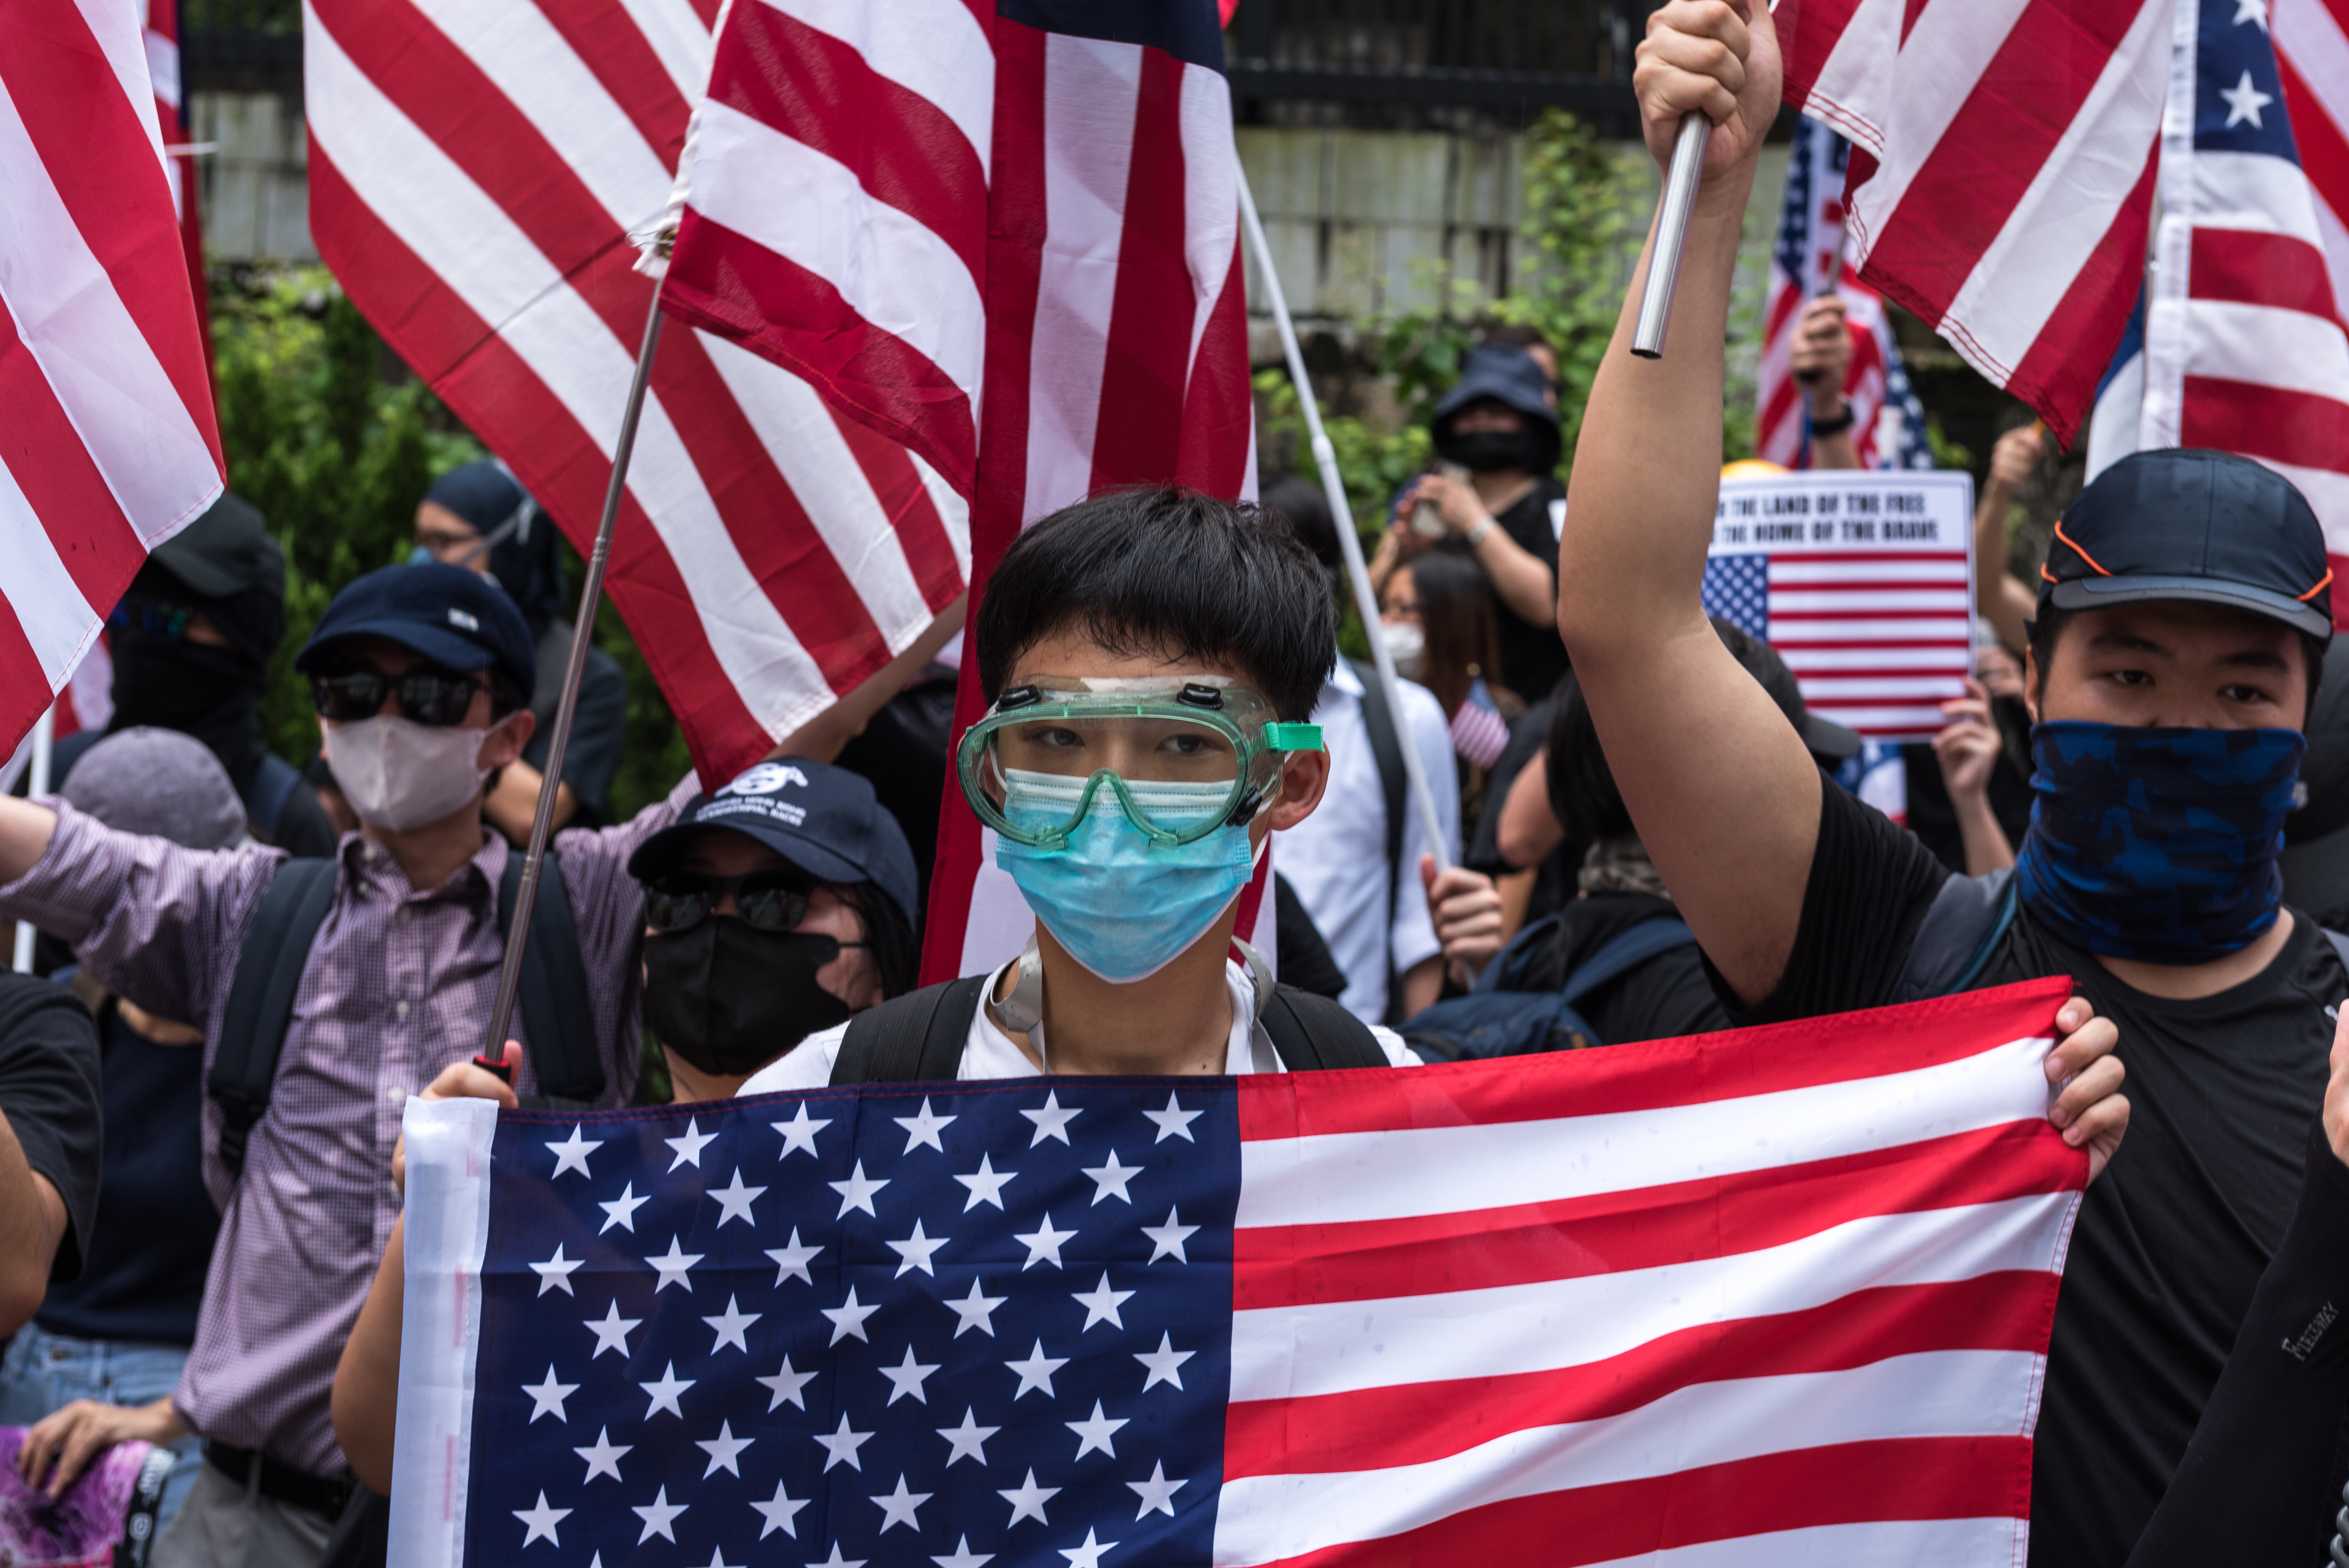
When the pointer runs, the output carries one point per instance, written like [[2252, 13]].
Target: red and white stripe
[[1877, 641], [108, 444], [1676, 1341], [1779, 438], [476, 170], [2001, 180], [2312, 44]]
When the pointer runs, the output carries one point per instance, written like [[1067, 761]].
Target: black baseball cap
[[457, 619], [2180, 524], [226, 551], [823, 820]]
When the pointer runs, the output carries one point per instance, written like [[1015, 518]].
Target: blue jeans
[[45, 1372]]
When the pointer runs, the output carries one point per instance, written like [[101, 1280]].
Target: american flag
[[477, 169], [109, 445], [1878, 630], [1027, 273], [1889, 423], [2002, 168], [1479, 733], [162, 39], [1569, 1309], [2312, 44], [2240, 345]]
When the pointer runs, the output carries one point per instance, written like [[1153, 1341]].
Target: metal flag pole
[[1672, 213], [541, 823], [1366, 599], [37, 784]]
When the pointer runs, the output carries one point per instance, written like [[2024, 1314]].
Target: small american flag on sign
[[1865, 588], [1778, 1296]]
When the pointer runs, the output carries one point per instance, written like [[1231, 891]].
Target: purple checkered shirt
[[398, 984]]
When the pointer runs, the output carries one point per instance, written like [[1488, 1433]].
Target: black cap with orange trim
[[2204, 526]]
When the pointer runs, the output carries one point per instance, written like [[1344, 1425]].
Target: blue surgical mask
[[2158, 844], [1121, 905]]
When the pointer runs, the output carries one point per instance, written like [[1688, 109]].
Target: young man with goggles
[[422, 676], [2181, 618], [1151, 656]]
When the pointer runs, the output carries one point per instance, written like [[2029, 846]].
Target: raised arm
[[2006, 604], [1719, 785]]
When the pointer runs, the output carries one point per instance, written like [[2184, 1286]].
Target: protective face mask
[[729, 998], [398, 774], [1406, 644], [2158, 844], [1482, 451], [1121, 905]]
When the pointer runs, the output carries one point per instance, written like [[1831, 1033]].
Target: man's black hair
[[1582, 792], [2045, 629], [1172, 572]]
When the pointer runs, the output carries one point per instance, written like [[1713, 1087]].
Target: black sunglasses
[[429, 696], [768, 900]]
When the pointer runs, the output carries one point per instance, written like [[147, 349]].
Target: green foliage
[[328, 436]]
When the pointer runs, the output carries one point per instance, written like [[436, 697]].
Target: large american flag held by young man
[[1773, 1296], [2241, 345], [108, 444], [1887, 421], [477, 168], [2002, 171], [1027, 271], [2312, 44]]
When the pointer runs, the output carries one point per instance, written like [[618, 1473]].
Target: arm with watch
[[1527, 584], [1821, 359]]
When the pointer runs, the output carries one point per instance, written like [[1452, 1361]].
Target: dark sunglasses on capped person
[[769, 900], [429, 695]]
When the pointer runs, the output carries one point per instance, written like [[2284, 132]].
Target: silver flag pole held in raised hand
[[1341, 516], [1673, 211], [541, 823]]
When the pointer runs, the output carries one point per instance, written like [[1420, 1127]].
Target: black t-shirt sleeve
[[2253, 1485], [49, 1093], [1870, 885]]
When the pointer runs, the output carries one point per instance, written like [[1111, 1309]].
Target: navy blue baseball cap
[[457, 619], [823, 820], [2208, 527]]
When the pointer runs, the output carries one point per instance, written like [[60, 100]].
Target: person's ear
[[1302, 781], [2030, 683], [503, 742]]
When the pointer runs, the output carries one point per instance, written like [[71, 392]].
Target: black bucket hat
[[1508, 376]]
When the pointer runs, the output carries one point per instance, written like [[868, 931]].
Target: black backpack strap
[[1386, 750], [2340, 944], [1961, 930], [914, 1038], [555, 1012], [1314, 1034], [1626, 950], [260, 998]]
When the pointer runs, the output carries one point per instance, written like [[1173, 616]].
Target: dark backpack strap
[[1314, 1034], [1508, 965], [260, 998], [1624, 951], [2340, 944], [1954, 942], [1386, 750], [555, 1013], [913, 1038], [273, 783]]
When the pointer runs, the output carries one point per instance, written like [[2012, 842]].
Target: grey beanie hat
[[159, 783]]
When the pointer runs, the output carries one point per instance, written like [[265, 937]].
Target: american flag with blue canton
[[1553, 1309]]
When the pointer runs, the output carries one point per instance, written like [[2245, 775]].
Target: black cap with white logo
[[823, 820]]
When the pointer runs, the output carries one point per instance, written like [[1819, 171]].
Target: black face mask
[[729, 998], [212, 694], [1482, 451]]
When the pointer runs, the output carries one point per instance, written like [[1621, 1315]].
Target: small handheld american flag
[[1786, 1291]]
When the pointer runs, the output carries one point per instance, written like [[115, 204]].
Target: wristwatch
[[1837, 425]]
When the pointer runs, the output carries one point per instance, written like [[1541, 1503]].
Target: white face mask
[[398, 774], [1406, 644]]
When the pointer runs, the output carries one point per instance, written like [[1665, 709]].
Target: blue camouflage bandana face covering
[[2158, 844], [1119, 904]]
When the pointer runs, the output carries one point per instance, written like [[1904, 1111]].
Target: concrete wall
[[254, 184]]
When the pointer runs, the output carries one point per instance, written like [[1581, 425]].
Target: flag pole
[[1673, 211], [1341, 516], [37, 784], [591, 591]]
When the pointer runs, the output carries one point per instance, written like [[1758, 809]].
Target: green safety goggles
[[1180, 756]]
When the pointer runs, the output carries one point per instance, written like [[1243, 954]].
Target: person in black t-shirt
[[1498, 425], [2184, 609]]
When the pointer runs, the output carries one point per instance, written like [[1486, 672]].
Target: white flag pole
[[36, 783], [1341, 516], [583, 632]]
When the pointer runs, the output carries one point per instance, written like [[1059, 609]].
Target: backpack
[[919, 1038], [1493, 1020], [1379, 730], [556, 1013]]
